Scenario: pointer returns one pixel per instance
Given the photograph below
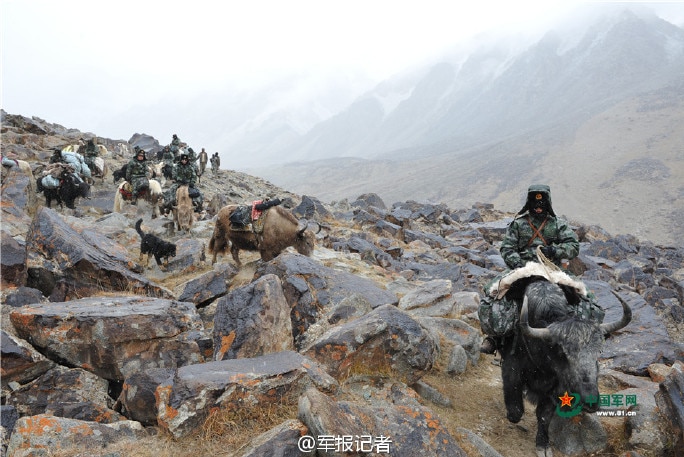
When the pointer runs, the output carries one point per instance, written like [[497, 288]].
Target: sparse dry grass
[[478, 405], [224, 433]]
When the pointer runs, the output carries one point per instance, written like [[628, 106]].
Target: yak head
[[305, 238], [569, 346], [72, 187]]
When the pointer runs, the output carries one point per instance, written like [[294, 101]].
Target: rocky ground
[[396, 286]]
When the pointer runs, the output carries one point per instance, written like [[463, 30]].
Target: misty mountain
[[580, 109], [491, 94]]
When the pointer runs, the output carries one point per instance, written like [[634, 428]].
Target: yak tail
[[138, 229], [212, 243]]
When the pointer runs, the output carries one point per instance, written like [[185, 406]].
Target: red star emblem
[[566, 400]]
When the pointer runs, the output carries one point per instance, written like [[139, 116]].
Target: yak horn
[[541, 333], [626, 317], [310, 223]]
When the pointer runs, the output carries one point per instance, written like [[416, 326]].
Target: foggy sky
[[83, 64]]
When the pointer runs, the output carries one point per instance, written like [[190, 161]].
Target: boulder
[[18, 187], [44, 434], [253, 320], [429, 294], [645, 427], [386, 341], [450, 334], [113, 337], [282, 440], [137, 399], [186, 400], [670, 401], [73, 264], [579, 435], [370, 199], [20, 361], [394, 424], [189, 254], [643, 342], [311, 208], [207, 287], [64, 392], [13, 261], [312, 289], [24, 296]]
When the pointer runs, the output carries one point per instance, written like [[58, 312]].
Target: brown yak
[[183, 212], [280, 230]]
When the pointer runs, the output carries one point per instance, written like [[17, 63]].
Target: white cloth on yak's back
[[543, 268]]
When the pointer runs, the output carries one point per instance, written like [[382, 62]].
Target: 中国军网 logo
[[570, 404]]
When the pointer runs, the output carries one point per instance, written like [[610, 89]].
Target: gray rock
[[113, 337], [63, 392], [73, 264], [24, 296], [208, 286], [427, 294], [12, 261], [394, 425], [311, 289], [669, 400], [137, 400], [574, 436], [481, 445], [36, 435], [282, 441], [20, 361], [643, 342], [274, 378], [449, 333], [458, 361], [369, 199], [430, 393], [253, 320], [386, 341]]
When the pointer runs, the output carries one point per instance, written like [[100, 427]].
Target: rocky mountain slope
[[375, 335]]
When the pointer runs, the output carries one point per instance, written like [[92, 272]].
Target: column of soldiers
[[179, 165]]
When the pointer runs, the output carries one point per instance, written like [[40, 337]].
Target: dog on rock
[[151, 244]]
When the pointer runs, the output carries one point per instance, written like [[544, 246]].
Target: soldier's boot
[[488, 346]]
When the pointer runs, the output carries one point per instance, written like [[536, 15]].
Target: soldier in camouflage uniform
[[90, 153], [535, 224], [136, 174], [175, 145], [168, 159], [184, 173]]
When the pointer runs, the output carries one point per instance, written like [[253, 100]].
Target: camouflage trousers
[[139, 185], [500, 317]]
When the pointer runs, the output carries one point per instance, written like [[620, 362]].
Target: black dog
[[152, 244], [120, 173]]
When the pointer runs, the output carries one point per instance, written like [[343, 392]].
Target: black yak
[[551, 353], [71, 186]]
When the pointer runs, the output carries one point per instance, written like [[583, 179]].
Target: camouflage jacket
[[136, 169], [91, 150], [185, 174], [519, 245], [168, 157]]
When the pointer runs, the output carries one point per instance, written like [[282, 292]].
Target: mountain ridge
[[568, 116]]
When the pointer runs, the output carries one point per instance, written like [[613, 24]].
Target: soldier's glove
[[517, 264], [549, 251]]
